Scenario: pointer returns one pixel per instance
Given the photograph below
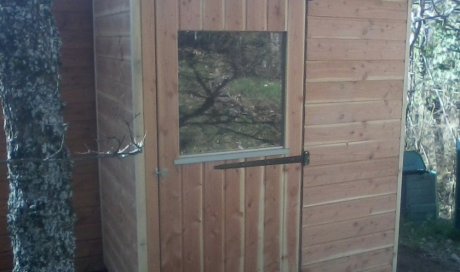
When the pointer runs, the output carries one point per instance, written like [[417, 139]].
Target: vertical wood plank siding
[[115, 100], [238, 219], [74, 20], [354, 93]]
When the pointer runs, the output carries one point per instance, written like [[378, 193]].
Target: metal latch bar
[[304, 159]]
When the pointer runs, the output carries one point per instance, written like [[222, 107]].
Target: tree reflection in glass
[[230, 91]]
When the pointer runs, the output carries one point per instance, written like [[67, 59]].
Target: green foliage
[[432, 125], [437, 238]]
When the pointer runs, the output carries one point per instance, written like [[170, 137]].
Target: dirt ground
[[415, 260]]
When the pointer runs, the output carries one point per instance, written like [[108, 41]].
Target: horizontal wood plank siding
[[113, 62], [74, 20], [354, 93]]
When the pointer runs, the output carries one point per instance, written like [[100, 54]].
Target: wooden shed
[[340, 67]]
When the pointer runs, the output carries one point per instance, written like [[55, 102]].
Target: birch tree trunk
[[40, 216]]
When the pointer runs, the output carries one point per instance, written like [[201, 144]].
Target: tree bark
[[40, 215]]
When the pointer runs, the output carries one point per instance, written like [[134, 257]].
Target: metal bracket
[[303, 159], [161, 173]]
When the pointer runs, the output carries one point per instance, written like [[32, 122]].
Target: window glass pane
[[230, 90]]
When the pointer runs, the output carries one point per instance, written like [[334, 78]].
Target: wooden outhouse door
[[239, 219]]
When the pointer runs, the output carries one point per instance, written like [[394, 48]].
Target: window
[[231, 91]]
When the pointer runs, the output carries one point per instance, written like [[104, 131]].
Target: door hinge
[[303, 159]]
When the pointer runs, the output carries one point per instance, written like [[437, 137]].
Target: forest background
[[433, 113]]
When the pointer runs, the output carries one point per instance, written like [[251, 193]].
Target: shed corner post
[[139, 132], [403, 135]]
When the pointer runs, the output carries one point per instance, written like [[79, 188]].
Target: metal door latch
[[161, 173], [303, 159]]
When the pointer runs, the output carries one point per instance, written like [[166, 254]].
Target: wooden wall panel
[[336, 70], [109, 7], [336, 173], [276, 15], [348, 209], [272, 217], [256, 15], [338, 28], [330, 193], [347, 91], [192, 184], [235, 15], [110, 46], [333, 49], [214, 227], [353, 132], [234, 220], [330, 233], [114, 81], [353, 151], [323, 252], [358, 262], [254, 205], [392, 10], [171, 201], [213, 17], [116, 24], [350, 112], [190, 14], [354, 94]]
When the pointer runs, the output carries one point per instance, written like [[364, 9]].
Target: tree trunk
[[40, 216]]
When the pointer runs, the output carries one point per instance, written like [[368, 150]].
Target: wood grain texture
[[331, 71], [276, 15], [190, 14], [272, 218], [334, 250], [256, 15], [254, 205], [331, 193], [294, 133], [192, 190], [352, 151], [151, 128], [356, 29], [213, 227], [106, 7], [352, 132], [235, 15], [168, 138], [234, 220], [213, 17], [331, 174], [338, 49], [369, 9], [336, 231], [348, 209], [117, 24], [349, 112], [357, 262], [113, 47], [332, 92]]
